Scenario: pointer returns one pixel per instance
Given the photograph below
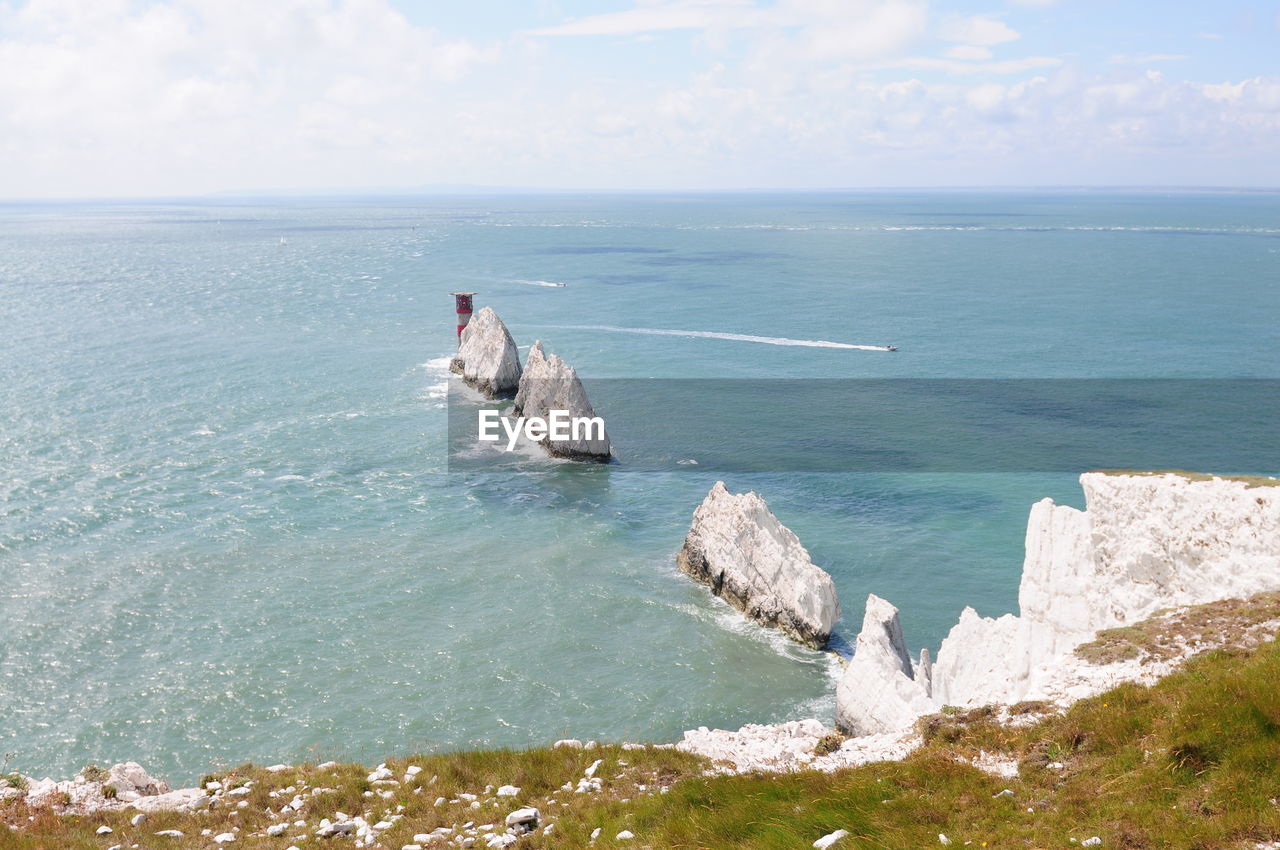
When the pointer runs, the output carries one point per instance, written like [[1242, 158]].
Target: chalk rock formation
[[487, 359], [548, 384], [1145, 542], [131, 781], [880, 691], [737, 547]]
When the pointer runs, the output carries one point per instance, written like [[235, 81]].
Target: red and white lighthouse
[[462, 302]]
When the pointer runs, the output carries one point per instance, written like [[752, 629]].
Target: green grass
[[1192, 762], [1249, 480]]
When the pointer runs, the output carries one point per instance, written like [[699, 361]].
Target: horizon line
[[479, 190]]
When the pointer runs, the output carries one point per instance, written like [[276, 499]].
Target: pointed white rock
[[740, 549], [879, 691], [487, 359], [547, 384]]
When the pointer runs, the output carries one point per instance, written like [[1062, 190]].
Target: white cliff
[[740, 549], [1145, 542], [487, 358], [549, 384]]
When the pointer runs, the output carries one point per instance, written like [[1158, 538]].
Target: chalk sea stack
[[1145, 542], [738, 547], [884, 692], [487, 358], [548, 384]]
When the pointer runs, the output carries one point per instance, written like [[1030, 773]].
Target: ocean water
[[229, 530]]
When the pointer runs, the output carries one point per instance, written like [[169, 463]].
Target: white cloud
[[658, 17], [1145, 58], [968, 52], [1007, 66], [979, 30], [191, 96]]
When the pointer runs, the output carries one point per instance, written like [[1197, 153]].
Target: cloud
[[1145, 58], [660, 17], [189, 96], [982, 31], [968, 52], [1007, 66]]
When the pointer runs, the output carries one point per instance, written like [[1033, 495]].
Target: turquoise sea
[[228, 529]]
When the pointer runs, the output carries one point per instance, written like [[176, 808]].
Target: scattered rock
[[831, 840], [508, 791], [625, 835], [182, 800], [524, 820], [738, 548]]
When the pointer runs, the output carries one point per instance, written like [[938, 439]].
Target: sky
[[138, 98]]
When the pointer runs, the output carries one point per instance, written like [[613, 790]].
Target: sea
[[231, 530]]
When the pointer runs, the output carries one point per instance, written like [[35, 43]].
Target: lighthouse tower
[[462, 302]]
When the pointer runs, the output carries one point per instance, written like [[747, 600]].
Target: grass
[[1191, 762], [1224, 623], [1250, 481]]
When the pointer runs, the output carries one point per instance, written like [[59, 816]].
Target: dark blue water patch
[[975, 214], [214, 221], [711, 258], [630, 279], [342, 228], [603, 249], [919, 425]]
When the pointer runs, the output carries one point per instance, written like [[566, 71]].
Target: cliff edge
[[1145, 542]]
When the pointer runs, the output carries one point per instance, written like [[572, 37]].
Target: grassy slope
[[1193, 762]]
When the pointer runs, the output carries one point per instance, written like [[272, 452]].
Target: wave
[[765, 340]]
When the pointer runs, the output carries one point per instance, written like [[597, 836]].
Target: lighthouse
[[462, 303]]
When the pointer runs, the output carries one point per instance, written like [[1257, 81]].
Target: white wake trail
[[767, 340]]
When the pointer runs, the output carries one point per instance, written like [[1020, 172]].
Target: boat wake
[[766, 340], [550, 283]]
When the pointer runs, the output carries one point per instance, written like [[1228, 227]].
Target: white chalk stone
[[548, 383], [879, 691], [738, 548], [487, 357], [831, 839]]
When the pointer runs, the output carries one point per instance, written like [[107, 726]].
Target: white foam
[[439, 364], [766, 340], [538, 282]]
